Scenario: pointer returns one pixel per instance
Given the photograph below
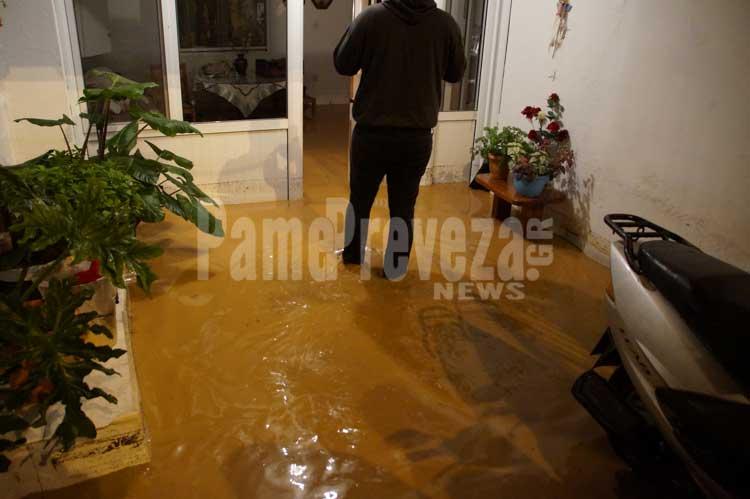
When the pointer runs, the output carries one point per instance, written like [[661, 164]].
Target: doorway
[[326, 102]]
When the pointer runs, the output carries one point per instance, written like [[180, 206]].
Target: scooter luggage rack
[[632, 229]]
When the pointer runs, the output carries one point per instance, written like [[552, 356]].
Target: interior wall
[[657, 104], [135, 32], [31, 80], [277, 41], [323, 30]]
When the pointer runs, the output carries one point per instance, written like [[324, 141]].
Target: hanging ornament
[[560, 28], [320, 4]]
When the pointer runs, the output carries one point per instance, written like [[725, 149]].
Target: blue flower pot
[[530, 189]]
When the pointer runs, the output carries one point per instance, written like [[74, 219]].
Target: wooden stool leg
[[530, 212], [500, 208]]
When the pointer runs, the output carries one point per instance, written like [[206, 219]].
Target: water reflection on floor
[[363, 389]]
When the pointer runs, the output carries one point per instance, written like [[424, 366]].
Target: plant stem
[[43, 276], [105, 125], [22, 277], [140, 131], [86, 140], [67, 143]]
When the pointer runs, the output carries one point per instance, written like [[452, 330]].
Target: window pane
[[123, 37], [233, 59], [469, 14]]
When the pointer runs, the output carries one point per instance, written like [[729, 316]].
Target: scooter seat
[[712, 296]]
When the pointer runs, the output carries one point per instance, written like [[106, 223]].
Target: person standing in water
[[405, 49]]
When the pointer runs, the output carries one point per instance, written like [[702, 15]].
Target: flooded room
[[360, 249]]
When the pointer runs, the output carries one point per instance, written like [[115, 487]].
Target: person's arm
[[348, 54], [456, 58]]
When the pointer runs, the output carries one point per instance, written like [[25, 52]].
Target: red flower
[[534, 136], [43, 390], [562, 136], [554, 98], [531, 112], [554, 127]]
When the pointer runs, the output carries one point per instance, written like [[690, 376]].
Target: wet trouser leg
[[400, 156]]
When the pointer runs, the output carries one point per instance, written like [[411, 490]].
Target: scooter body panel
[[658, 349], [642, 315]]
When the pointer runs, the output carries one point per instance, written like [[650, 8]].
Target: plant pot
[[498, 167], [531, 189]]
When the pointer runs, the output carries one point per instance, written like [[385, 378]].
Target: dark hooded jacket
[[405, 49]]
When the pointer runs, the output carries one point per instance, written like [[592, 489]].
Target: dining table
[[243, 92]]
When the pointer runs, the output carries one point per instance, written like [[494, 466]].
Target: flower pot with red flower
[[493, 145], [544, 153]]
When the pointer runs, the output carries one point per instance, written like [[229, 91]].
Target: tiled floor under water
[[363, 389]]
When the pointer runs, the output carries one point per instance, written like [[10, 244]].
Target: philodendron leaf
[[168, 127], [119, 89], [48, 123], [4, 464], [193, 211], [124, 141], [75, 424], [170, 156], [151, 205], [9, 423], [206, 221], [140, 168], [144, 275]]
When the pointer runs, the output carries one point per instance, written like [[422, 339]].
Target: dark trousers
[[401, 156]]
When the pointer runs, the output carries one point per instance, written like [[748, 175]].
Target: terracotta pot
[[498, 167]]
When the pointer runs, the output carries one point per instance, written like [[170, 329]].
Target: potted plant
[[493, 146], [67, 219], [544, 153], [60, 216]]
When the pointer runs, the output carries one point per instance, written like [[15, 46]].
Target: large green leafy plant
[[67, 207]]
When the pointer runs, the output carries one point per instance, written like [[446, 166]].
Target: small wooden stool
[[505, 197]]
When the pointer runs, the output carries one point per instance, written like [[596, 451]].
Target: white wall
[[657, 104], [31, 83], [323, 30]]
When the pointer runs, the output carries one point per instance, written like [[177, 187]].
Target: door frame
[[492, 71], [490, 86]]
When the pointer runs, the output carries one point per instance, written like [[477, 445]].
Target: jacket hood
[[410, 11]]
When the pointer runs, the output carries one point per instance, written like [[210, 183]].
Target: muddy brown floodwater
[[363, 389]]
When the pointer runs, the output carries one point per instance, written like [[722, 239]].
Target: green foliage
[[90, 209], [44, 358], [48, 123], [170, 156], [495, 141], [165, 182], [528, 160], [121, 89], [72, 206], [158, 121]]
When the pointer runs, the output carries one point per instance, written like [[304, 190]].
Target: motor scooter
[[671, 383]]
